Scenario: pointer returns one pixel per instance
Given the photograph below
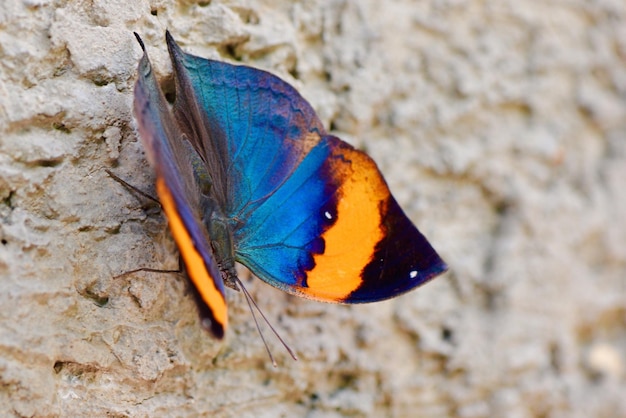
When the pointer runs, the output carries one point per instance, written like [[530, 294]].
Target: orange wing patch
[[194, 263], [351, 241]]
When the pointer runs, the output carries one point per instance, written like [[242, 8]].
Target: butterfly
[[246, 172]]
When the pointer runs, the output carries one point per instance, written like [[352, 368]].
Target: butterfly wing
[[310, 214], [173, 161], [245, 123], [333, 232]]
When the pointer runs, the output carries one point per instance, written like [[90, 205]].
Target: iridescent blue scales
[[246, 172]]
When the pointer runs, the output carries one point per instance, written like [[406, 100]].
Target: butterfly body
[[249, 174]]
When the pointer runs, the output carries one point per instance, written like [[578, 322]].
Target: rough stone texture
[[501, 128]]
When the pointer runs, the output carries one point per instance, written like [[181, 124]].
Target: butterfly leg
[[151, 270], [145, 269], [153, 199], [131, 187]]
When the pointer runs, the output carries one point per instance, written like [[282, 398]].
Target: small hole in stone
[[168, 86], [60, 126], [58, 366], [294, 73], [48, 163], [230, 50]]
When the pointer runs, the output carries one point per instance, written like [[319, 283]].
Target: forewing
[[179, 195], [310, 214], [252, 129]]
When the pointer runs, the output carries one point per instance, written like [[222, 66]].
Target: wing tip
[[214, 327], [172, 46], [168, 36], [143, 47]]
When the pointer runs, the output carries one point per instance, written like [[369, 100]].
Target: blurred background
[[501, 130]]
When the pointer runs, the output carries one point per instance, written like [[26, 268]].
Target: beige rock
[[500, 127]]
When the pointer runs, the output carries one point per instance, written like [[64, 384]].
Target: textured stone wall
[[500, 126]]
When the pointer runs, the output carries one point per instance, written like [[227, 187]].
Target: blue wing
[[255, 128], [309, 214]]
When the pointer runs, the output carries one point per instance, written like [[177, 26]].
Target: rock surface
[[500, 126]]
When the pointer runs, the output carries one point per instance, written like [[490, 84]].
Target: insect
[[245, 172]]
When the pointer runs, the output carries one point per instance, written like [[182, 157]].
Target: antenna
[[251, 302]]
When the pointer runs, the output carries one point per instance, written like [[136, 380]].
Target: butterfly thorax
[[214, 220], [221, 238]]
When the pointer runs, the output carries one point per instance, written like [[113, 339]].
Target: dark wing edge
[[178, 194]]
